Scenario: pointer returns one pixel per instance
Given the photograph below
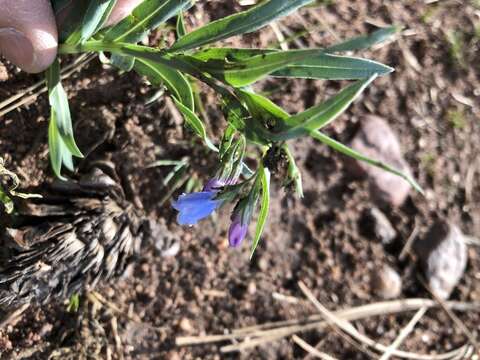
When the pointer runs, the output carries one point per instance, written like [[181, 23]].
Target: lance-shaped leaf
[[180, 28], [237, 24], [59, 153], [60, 129], [364, 42], [322, 66], [321, 115], [332, 67], [261, 107], [264, 175], [59, 102], [356, 155], [144, 18], [294, 176], [94, 18], [195, 123], [124, 63], [175, 82], [230, 54], [263, 115], [245, 72]]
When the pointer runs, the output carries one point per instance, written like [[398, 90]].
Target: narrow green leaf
[[54, 146], [294, 175], [229, 54], [322, 66], [356, 155], [332, 67], [263, 115], [97, 14], [323, 114], [124, 63], [261, 107], [264, 174], [227, 139], [59, 103], [74, 303], [237, 24], [166, 163], [364, 42], [195, 123], [6, 201], [248, 71], [144, 18], [175, 82], [180, 26]]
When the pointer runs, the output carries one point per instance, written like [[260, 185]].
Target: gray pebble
[[382, 227], [442, 254]]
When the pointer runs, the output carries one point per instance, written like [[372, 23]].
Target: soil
[[323, 240]]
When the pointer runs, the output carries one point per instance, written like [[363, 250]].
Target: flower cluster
[[196, 206]]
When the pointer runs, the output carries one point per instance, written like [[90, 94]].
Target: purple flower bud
[[237, 232], [198, 205], [213, 185]]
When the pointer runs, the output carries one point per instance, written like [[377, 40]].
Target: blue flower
[[197, 206], [237, 232]]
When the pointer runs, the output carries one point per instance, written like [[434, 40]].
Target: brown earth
[[324, 240]]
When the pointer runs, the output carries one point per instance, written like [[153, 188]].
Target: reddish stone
[[377, 140]]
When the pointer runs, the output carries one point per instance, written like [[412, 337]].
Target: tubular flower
[[237, 232], [197, 206]]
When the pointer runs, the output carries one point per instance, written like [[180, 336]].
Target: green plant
[[9, 182], [252, 119], [456, 118], [457, 44]]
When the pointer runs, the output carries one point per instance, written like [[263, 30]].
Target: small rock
[[173, 355], [186, 325], [386, 283], [263, 264], [165, 242], [442, 254], [382, 227], [252, 288], [3, 73], [377, 140]]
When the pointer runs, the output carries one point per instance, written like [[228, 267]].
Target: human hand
[[28, 31]]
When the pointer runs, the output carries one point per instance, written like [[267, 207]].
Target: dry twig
[[31, 93], [264, 333], [310, 349], [404, 333]]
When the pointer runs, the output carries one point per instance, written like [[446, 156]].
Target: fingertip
[[122, 9], [28, 34], [44, 50]]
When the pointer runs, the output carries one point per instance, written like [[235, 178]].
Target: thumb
[[122, 9], [28, 33]]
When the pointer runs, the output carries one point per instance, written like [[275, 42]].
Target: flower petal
[[195, 206], [237, 233], [213, 185]]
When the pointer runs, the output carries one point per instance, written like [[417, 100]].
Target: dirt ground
[[324, 240]]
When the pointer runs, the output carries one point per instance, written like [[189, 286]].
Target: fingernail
[[16, 47]]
